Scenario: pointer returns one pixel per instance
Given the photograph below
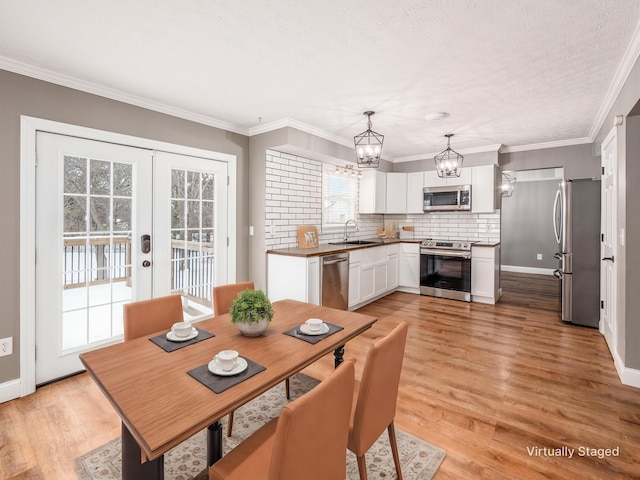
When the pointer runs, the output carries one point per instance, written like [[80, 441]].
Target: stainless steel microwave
[[449, 198]]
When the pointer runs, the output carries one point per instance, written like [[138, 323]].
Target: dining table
[[162, 395]]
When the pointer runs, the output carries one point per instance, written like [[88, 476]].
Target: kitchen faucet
[[346, 232]]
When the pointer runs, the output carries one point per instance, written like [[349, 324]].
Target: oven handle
[[445, 253]]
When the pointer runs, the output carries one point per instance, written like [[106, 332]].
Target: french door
[[116, 224]]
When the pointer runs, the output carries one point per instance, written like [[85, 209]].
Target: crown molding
[[429, 156], [622, 73], [113, 94], [540, 146], [304, 127]]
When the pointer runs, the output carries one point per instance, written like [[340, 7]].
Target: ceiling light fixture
[[368, 145], [508, 184], [448, 162], [435, 116]]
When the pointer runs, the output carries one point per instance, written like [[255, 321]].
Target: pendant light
[[448, 162], [508, 184], [368, 145]]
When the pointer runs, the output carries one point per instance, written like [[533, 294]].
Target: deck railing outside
[[108, 259]]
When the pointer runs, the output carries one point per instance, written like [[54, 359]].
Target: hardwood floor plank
[[484, 382]]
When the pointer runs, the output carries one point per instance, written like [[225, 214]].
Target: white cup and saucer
[[227, 362], [181, 332], [314, 326]]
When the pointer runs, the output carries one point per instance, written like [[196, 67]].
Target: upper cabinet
[[373, 188], [431, 178], [485, 189], [415, 184], [396, 192]]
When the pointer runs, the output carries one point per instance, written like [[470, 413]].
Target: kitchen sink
[[355, 242]]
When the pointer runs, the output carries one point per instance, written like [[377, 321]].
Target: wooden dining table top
[[162, 405]]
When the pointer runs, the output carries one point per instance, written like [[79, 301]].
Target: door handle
[[145, 243], [146, 264], [611, 258]]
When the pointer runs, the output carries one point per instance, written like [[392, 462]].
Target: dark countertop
[[485, 244], [328, 249]]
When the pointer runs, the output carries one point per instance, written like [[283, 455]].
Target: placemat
[[169, 346], [295, 332], [219, 383]]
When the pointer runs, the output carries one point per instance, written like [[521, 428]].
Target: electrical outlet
[[539, 256], [6, 346]]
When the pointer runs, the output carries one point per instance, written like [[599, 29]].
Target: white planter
[[254, 329]]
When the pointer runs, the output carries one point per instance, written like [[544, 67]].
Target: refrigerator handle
[[555, 212]]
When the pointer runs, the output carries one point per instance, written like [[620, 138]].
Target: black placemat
[[295, 332], [220, 383], [169, 346]]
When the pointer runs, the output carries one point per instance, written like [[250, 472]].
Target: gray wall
[[527, 228], [577, 160], [20, 95], [626, 259], [470, 160]]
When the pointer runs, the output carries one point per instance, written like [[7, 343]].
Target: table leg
[[132, 468], [339, 356], [214, 443]]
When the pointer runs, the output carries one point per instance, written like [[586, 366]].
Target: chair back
[[224, 295], [311, 435], [148, 316], [375, 405]]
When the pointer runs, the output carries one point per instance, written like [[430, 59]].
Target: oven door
[[445, 274]]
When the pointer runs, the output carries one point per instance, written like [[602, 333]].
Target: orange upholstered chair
[[148, 316], [224, 295], [374, 406], [307, 441]]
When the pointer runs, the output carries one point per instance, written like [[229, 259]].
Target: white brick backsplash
[[294, 197]]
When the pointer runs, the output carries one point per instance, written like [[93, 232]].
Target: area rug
[[187, 461]]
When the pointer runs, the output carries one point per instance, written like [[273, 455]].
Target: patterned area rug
[[187, 461]]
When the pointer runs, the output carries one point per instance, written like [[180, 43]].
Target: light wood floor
[[483, 382]]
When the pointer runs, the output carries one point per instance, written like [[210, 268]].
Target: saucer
[[304, 329], [241, 366], [174, 338]]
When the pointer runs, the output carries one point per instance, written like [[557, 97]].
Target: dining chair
[[223, 297], [374, 406], [307, 441], [148, 316]]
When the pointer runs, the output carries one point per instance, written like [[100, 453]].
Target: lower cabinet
[[297, 278], [485, 274], [409, 268]]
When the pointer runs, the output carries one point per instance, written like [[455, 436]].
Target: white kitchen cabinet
[[415, 184], [409, 268], [396, 201], [485, 189], [393, 264], [292, 277], [431, 178], [373, 272], [354, 277], [485, 273], [372, 195]]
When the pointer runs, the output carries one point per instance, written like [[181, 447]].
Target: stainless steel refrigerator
[[577, 229]]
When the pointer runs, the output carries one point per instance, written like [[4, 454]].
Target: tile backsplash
[[294, 197]]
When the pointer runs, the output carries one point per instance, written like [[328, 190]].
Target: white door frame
[[28, 128]]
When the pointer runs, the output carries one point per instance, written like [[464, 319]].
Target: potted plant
[[251, 311]]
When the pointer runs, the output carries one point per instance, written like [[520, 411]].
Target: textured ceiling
[[510, 72]]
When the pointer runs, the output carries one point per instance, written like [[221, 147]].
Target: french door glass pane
[[192, 236], [96, 267]]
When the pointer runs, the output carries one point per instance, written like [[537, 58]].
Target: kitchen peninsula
[[377, 267]]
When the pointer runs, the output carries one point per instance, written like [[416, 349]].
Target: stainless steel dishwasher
[[334, 286]]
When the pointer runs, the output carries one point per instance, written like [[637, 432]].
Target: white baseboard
[[10, 390], [630, 376], [534, 270]]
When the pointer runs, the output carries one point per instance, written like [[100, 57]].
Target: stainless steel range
[[445, 269]]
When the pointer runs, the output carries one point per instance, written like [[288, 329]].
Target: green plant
[[250, 307]]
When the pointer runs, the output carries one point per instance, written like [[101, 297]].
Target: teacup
[[226, 359], [314, 324], [181, 329]]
